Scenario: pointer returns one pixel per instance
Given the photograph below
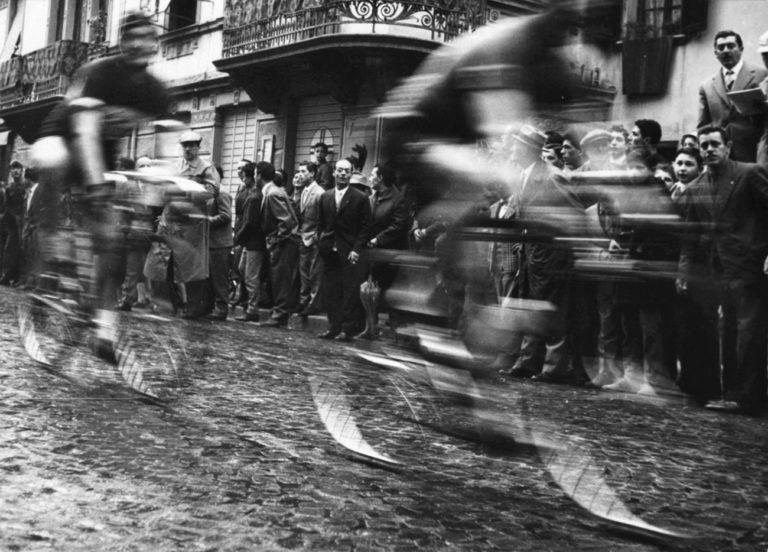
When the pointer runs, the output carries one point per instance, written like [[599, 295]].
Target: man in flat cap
[[192, 259]]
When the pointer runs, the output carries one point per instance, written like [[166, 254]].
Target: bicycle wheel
[[47, 330], [149, 354]]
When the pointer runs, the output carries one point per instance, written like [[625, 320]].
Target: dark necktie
[[730, 78]]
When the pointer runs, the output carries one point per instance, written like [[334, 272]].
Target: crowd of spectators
[[675, 298]]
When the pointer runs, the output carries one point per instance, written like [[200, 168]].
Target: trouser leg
[[353, 315], [746, 380], [283, 258], [134, 264], [333, 291], [219, 276], [250, 267]]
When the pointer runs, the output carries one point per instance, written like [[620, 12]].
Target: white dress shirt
[[340, 195]]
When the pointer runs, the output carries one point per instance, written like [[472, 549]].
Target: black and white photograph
[[384, 275]]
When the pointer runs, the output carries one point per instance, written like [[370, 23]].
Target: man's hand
[[681, 285], [353, 257], [373, 243], [765, 266], [418, 234]]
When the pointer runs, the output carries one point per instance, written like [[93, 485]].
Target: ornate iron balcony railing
[[251, 25], [44, 73]]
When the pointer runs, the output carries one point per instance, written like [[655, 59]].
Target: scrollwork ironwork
[[256, 24]]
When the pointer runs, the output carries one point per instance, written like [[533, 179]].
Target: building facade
[[267, 80]]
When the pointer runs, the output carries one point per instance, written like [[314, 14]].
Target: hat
[[16, 163], [190, 136], [531, 137], [359, 179], [762, 43], [595, 137]]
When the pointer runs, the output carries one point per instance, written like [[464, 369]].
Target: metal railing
[[437, 20], [44, 73]]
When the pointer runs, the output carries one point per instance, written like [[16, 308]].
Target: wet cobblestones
[[242, 461]]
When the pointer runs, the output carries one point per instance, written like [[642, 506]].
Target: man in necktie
[[309, 260], [747, 129]]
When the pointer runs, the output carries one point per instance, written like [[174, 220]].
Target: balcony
[[250, 27], [31, 84], [42, 74]]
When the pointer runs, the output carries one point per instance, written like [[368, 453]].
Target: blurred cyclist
[[79, 142]]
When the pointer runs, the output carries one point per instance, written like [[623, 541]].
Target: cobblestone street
[[241, 460]]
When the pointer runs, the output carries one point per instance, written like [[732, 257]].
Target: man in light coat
[[747, 129]]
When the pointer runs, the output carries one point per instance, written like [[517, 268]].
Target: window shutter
[[646, 64]]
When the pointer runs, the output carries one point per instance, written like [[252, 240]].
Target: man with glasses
[[728, 202], [716, 108]]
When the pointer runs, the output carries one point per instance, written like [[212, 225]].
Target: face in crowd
[[686, 168], [191, 150], [728, 51], [599, 153], [143, 163], [342, 173], [241, 171], [636, 137], [16, 172], [714, 149], [690, 142], [305, 177], [376, 180], [321, 153], [549, 156], [618, 144], [571, 154]]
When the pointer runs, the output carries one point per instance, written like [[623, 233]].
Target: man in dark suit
[[344, 225], [729, 201], [281, 233], [715, 108], [544, 198]]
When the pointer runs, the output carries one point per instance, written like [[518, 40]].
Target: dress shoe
[[732, 407], [248, 316], [124, 306], [343, 336], [566, 379], [328, 334], [519, 372], [272, 323]]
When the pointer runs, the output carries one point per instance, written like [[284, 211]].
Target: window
[[658, 18], [660, 15], [181, 13]]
